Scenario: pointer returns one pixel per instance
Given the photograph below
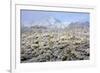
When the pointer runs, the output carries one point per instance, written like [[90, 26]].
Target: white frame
[[15, 38]]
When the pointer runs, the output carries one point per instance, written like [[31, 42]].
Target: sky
[[30, 16]]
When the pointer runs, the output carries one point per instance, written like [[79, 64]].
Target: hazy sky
[[29, 16]]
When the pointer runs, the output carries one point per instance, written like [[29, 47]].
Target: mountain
[[24, 28], [49, 22], [81, 25], [52, 23]]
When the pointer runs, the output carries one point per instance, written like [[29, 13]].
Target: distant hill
[[53, 24], [81, 25]]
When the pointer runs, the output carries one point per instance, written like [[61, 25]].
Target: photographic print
[[49, 36]]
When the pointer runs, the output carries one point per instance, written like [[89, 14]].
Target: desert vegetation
[[43, 44]]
